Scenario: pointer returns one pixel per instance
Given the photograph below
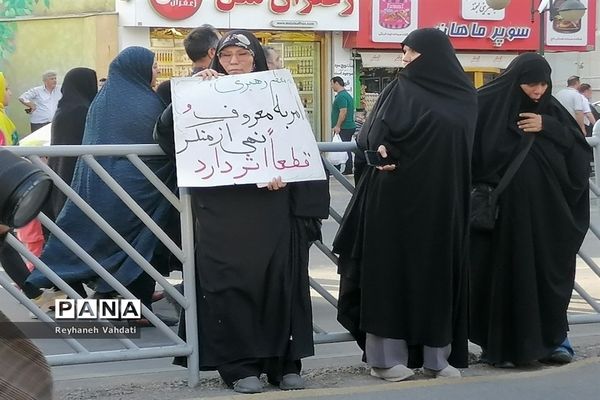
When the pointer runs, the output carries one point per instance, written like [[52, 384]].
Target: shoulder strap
[[514, 166]]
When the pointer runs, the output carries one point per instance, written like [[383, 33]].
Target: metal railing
[[179, 347], [185, 254], [593, 302]]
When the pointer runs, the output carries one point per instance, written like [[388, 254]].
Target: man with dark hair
[[342, 116], [572, 100], [201, 46]]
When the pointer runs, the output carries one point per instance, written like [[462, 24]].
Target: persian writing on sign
[[241, 129]]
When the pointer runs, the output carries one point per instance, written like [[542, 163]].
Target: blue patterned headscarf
[[127, 92]]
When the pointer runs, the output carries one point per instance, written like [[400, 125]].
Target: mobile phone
[[374, 159]]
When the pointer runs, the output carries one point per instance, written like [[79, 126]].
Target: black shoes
[[559, 356]]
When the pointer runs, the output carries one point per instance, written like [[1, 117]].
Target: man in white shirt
[[589, 118], [41, 101], [573, 101]]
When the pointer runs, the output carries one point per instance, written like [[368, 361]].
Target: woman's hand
[[275, 184], [530, 122], [207, 74], [383, 151]]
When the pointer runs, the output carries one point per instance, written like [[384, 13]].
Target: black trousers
[[346, 135], [35, 127]]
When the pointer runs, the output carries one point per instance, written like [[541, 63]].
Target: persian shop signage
[[284, 6], [497, 34], [568, 33], [182, 9], [176, 9], [393, 20]]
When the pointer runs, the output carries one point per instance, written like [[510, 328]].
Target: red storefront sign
[[176, 9], [283, 6], [182, 9], [470, 24]]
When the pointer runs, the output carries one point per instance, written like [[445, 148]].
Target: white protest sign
[[240, 129]]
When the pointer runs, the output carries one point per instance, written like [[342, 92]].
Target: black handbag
[[484, 197]]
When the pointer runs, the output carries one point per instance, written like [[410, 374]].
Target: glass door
[[171, 57], [301, 53]]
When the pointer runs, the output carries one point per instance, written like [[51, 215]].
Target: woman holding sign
[[251, 257], [403, 241]]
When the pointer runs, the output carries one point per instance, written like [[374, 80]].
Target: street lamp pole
[[542, 48]]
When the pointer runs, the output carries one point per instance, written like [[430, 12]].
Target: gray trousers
[[386, 353]]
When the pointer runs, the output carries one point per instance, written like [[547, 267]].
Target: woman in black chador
[[78, 91], [403, 242], [252, 246], [522, 272]]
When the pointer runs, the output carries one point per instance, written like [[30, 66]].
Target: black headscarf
[[501, 101], [435, 79], [78, 90], [245, 40], [437, 69], [164, 92]]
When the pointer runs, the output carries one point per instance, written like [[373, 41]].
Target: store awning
[[380, 59], [376, 59]]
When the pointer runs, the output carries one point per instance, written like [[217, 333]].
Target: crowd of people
[[417, 281]]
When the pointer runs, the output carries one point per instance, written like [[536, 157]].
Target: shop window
[[481, 76]]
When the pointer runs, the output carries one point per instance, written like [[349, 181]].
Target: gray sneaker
[[250, 384], [394, 374], [292, 382], [448, 372]]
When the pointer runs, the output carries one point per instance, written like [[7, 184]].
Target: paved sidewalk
[[339, 373], [576, 381]]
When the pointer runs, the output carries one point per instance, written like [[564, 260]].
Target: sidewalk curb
[[396, 386]]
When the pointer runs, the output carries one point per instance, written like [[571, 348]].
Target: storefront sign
[[393, 20], [479, 10], [470, 24], [498, 34], [303, 7], [176, 9], [294, 24], [322, 15], [567, 33], [345, 70], [372, 59]]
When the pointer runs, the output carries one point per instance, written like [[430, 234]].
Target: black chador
[[403, 241], [522, 272]]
